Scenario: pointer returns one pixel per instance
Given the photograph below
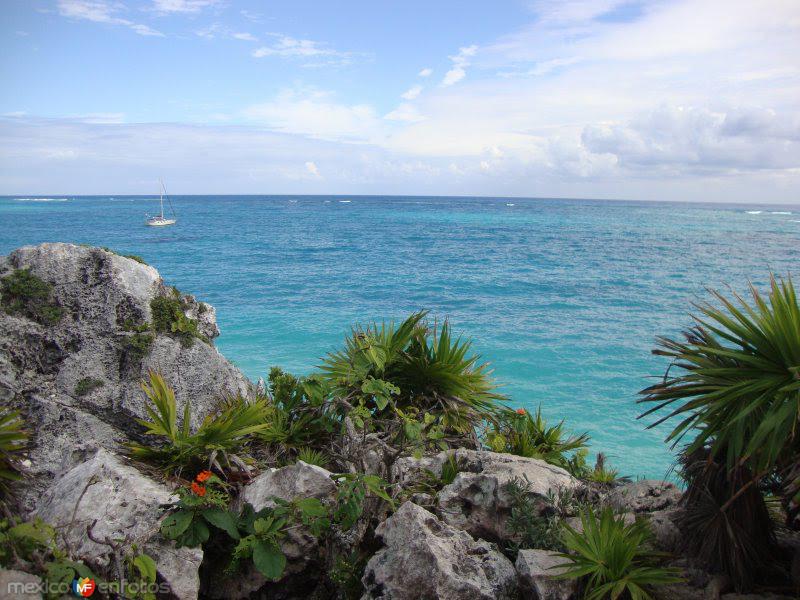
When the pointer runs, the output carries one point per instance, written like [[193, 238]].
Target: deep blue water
[[563, 297]]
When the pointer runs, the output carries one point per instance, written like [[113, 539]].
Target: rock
[[666, 535], [125, 504], [648, 495], [477, 501], [18, 585], [102, 295], [299, 480], [536, 570], [425, 559]]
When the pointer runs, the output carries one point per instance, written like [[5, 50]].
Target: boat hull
[[161, 223]]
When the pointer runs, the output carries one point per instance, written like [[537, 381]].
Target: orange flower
[[198, 489], [203, 476], [521, 411]]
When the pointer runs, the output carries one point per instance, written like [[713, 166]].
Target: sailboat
[[160, 220]]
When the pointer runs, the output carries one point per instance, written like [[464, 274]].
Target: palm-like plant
[[528, 435], [612, 558], [738, 393], [220, 435], [428, 369], [738, 390]]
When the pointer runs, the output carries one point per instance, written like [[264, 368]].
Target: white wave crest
[[41, 199]]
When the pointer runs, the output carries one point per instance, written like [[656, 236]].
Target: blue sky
[[677, 100]]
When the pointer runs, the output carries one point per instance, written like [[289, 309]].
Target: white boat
[[161, 220]]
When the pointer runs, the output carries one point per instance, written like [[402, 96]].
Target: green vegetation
[[526, 435], [313, 457], [25, 294], [532, 527], [737, 393], [216, 442], [413, 369], [137, 346], [169, 317], [13, 440], [31, 545], [86, 386], [612, 558], [135, 257]]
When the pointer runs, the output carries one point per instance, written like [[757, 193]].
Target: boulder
[[103, 296], [666, 535], [18, 585], [477, 501], [123, 504], [423, 558], [299, 480], [647, 495], [536, 570]]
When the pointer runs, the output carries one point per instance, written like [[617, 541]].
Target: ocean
[[563, 297]]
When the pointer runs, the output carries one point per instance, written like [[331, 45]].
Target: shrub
[[137, 346], [297, 417], [737, 391], [416, 368], [313, 457], [613, 559], [13, 440], [24, 293], [87, 385], [528, 524], [215, 442], [169, 317], [526, 435]]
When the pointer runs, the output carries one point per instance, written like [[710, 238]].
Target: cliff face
[[78, 381]]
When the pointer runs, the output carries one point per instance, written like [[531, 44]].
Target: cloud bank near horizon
[[687, 100]]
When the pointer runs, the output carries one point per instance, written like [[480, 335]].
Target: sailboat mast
[[162, 198]]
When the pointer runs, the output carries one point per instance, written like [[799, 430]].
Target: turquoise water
[[564, 297]]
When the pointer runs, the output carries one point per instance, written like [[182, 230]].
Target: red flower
[[203, 476], [198, 489], [521, 411]]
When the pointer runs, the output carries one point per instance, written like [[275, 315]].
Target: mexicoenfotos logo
[[83, 587]]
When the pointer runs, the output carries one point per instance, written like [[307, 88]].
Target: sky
[[684, 100]]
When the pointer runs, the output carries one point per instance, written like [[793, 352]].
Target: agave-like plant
[[737, 395], [738, 387], [219, 436], [528, 435], [612, 558], [424, 367]]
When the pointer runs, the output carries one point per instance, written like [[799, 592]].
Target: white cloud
[[182, 6], [315, 113], [426, 72], [412, 92], [406, 113], [460, 62], [288, 47], [246, 37], [311, 167], [101, 11]]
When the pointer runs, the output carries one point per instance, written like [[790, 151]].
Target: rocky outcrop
[[648, 495], [537, 571], [478, 502], [120, 504], [105, 302], [426, 559]]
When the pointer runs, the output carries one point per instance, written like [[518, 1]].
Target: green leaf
[[269, 560], [222, 519], [146, 567], [194, 536], [176, 523]]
